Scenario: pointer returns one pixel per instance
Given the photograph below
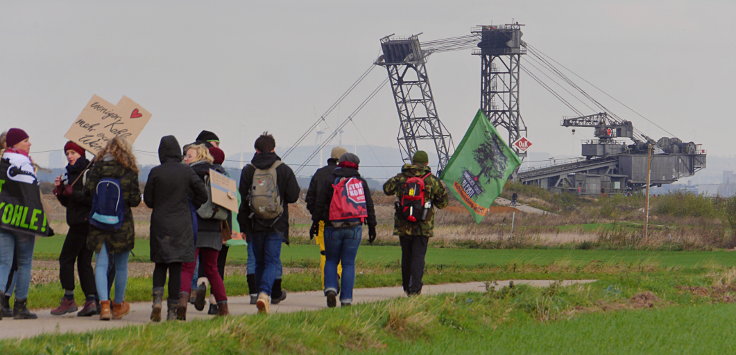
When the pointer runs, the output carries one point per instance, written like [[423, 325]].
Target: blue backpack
[[108, 207]]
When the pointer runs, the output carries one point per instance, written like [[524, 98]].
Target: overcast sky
[[242, 67]]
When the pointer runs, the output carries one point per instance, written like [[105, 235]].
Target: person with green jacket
[[418, 193]]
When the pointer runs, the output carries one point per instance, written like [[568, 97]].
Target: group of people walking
[[188, 232]]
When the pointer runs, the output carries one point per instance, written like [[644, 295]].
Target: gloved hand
[[314, 230], [371, 234]]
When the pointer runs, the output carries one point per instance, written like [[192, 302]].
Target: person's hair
[[121, 151], [265, 143], [2, 141], [203, 154]]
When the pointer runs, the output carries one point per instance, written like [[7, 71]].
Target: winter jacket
[[170, 188], [288, 190], [322, 206], [208, 230], [123, 239], [320, 179], [78, 203], [435, 191]]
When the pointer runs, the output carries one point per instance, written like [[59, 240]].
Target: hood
[[169, 150], [264, 160], [415, 170]]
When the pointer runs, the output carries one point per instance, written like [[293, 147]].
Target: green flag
[[479, 167]]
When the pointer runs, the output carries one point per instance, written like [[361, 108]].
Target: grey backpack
[[264, 198], [209, 210]]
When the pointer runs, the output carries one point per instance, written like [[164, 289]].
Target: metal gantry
[[501, 50], [405, 62]]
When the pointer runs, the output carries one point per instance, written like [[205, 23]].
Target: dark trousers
[[159, 278], [75, 249], [413, 250]]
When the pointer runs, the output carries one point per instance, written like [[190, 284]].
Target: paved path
[[522, 207], [301, 301]]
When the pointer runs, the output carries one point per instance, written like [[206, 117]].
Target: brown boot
[[222, 309], [120, 309], [158, 294], [181, 311], [105, 313]]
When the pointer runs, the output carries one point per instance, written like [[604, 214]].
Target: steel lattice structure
[[405, 62], [501, 51]]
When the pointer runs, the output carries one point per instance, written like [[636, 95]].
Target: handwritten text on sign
[[101, 120]]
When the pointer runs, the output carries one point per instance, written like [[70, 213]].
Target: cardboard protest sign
[[224, 191], [101, 120], [20, 202]]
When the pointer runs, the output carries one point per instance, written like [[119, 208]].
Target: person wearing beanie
[[414, 217], [316, 184], [209, 139], [15, 245], [344, 204], [69, 190]]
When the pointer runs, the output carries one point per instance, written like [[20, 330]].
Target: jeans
[[267, 255], [341, 246], [120, 260], [413, 250], [75, 250], [21, 246]]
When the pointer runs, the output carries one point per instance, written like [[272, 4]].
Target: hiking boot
[[65, 306], [120, 309], [105, 313], [331, 298], [222, 309], [263, 303], [181, 311], [158, 295], [5, 304], [89, 309], [21, 312], [281, 297], [171, 307], [200, 293]]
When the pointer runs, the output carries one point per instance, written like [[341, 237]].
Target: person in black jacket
[[169, 189], [343, 234], [319, 180], [69, 191], [266, 234]]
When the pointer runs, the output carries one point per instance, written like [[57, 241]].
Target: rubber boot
[[21, 312], [181, 311], [105, 312], [222, 309], [158, 295], [252, 290], [172, 306]]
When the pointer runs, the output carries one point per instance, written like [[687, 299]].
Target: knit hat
[[337, 152], [420, 157], [217, 154], [15, 136], [73, 146], [349, 160], [207, 136]]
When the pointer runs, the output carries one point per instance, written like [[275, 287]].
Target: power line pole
[[649, 180]]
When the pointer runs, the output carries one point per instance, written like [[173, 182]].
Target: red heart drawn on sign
[[135, 114]]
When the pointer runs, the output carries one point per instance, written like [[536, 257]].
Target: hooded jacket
[[123, 239], [435, 191], [169, 190], [208, 230], [322, 205], [77, 204], [288, 190], [320, 179]]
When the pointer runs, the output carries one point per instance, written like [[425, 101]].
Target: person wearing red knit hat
[[70, 193]]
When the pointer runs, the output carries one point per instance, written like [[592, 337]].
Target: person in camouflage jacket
[[414, 236]]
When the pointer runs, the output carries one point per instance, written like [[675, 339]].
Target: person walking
[[169, 190], [114, 175], [14, 244], [267, 186], [322, 178], [208, 241], [418, 193], [6, 291], [69, 190], [344, 205]]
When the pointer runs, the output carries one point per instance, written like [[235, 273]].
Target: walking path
[[301, 301]]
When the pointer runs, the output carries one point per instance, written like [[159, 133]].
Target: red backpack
[[412, 201], [348, 205]]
